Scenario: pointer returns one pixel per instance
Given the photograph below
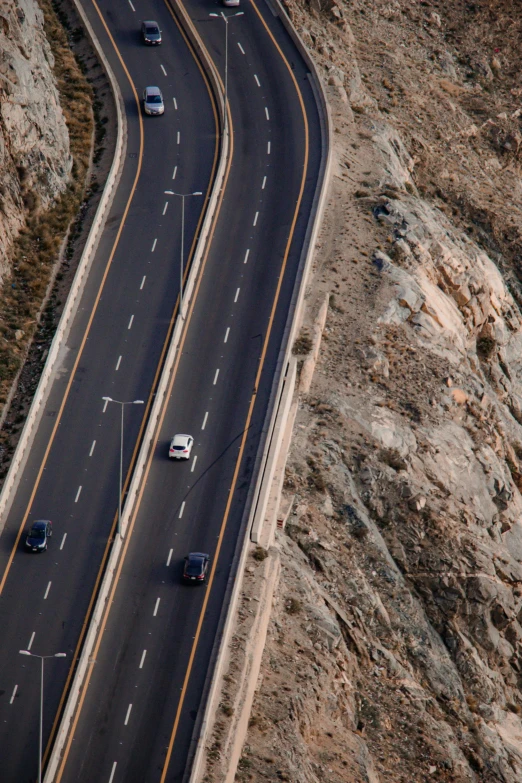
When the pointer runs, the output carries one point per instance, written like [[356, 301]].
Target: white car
[[181, 446], [153, 101]]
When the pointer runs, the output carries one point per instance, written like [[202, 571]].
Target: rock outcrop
[[395, 646], [35, 161]]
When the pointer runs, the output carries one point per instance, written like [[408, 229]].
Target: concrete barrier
[[275, 441], [35, 412]]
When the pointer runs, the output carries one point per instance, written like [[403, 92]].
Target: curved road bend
[[144, 694], [114, 348]]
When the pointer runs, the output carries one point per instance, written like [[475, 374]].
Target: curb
[[259, 497], [44, 385], [148, 442]]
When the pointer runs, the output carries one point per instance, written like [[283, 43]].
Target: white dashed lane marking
[[63, 541], [182, 509], [240, 48], [179, 137], [264, 183], [216, 377], [267, 114], [268, 149], [77, 494], [226, 334], [143, 282], [163, 69], [130, 322], [175, 104], [255, 219], [153, 246], [144, 653], [246, 256], [237, 295], [204, 421], [47, 591], [118, 363], [128, 715], [155, 612], [112, 772], [257, 80], [194, 463], [174, 172], [169, 558], [31, 640], [165, 207], [11, 700], [105, 406], [92, 448]]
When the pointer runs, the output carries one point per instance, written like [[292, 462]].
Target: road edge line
[[270, 450], [148, 438], [74, 297]]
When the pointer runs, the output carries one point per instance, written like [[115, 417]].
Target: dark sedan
[[36, 540], [151, 33], [196, 567]]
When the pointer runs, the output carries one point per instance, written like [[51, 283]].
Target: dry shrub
[[35, 251], [259, 554], [303, 344]]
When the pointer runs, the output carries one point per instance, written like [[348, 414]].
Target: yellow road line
[[249, 415]]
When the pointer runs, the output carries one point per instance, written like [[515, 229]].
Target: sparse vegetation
[[293, 605], [260, 554], [485, 347], [35, 251], [303, 344]]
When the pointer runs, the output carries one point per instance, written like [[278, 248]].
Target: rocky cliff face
[[395, 647], [35, 162]]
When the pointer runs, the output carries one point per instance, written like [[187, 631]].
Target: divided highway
[[114, 348], [145, 691]]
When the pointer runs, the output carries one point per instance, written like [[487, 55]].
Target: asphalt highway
[[114, 348], [145, 690], [144, 694]]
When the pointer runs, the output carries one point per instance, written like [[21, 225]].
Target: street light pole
[[40, 742], [225, 18], [182, 196], [122, 405]]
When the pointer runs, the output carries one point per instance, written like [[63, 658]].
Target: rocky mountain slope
[[395, 647], [35, 161]]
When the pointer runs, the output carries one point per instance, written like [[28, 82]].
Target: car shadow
[[209, 467]]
